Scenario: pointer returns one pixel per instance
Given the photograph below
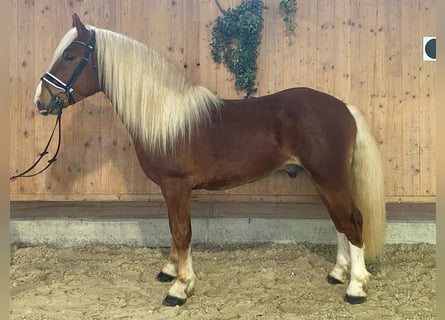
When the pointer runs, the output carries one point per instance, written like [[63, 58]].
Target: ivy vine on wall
[[288, 9], [236, 37]]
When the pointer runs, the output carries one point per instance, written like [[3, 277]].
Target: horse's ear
[[78, 24]]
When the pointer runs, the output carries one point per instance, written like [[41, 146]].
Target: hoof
[[354, 300], [332, 280], [170, 301], [163, 277]]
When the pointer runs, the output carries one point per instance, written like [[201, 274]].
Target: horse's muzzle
[[41, 108], [53, 106]]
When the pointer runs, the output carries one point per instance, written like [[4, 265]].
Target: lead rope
[[44, 152]]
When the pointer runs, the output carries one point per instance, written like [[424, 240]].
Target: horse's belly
[[227, 179], [227, 183]]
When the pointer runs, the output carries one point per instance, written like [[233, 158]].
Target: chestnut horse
[[187, 138]]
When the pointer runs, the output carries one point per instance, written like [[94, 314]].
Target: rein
[[59, 103], [45, 151]]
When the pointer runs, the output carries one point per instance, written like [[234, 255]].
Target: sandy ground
[[261, 282]]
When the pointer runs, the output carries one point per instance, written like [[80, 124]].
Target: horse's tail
[[366, 185]]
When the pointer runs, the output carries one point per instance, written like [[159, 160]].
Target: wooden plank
[[204, 197], [325, 41], [341, 51], [150, 210], [306, 47], [378, 95], [358, 22], [23, 88], [207, 70], [410, 63], [269, 75], [16, 166], [427, 102], [394, 110], [191, 35]]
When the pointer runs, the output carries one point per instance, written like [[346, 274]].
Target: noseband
[[49, 79]]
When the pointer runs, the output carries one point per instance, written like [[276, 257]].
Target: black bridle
[[50, 80], [57, 103]]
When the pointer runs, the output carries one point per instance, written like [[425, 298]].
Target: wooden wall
[[366, 52]]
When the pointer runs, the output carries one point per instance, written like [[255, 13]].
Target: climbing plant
[[288, 9], [236, 37]]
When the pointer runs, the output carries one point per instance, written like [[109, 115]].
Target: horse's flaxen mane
[[151, 96], [154, 100]]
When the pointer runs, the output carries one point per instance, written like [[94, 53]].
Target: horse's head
[[73, 73]]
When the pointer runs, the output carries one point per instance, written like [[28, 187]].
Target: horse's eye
[[68, 57]]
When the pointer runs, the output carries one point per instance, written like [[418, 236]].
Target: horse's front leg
[[177, 197]]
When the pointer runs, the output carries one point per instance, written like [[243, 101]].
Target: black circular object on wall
[[430, 48]]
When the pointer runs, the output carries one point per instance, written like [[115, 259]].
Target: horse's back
[[297, 114], [300, 104]]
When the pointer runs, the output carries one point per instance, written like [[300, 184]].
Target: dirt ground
[[238, 282]]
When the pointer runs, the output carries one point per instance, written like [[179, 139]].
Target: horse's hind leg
[[344, 261], [177, 196], [342, 267], [356, 291], [350, 253]]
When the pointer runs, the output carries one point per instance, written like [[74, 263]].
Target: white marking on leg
[[181, 289], [359, 275], [343, 261], [170, 269], [190, 274], [178, 290]]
